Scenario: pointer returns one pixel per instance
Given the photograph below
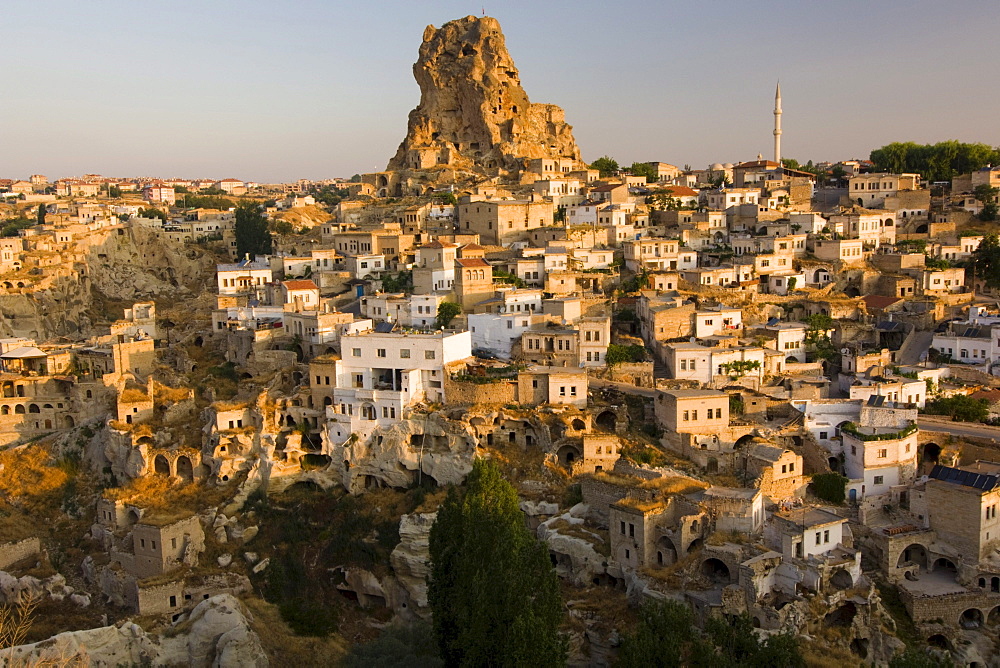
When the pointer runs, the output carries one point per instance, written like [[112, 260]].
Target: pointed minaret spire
[[777, 124]]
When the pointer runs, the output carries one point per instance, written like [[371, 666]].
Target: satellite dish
[[845, 351]]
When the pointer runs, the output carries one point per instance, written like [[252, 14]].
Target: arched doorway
[[931, 453], [834, 464], [971, 619], [743, 441], [842, 580], [945, 566], [568, 454], [842, 616], [994, 617], [607, 421], [913, 554], [184, 468], [715, 570], [579, 424], [160, 465], [940, 641], [666, 553]]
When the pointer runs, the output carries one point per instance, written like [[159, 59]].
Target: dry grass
[[283, 647], [674, 485], [172, 395], [133, 396], [31, 480], [167, 501], [578, 531]]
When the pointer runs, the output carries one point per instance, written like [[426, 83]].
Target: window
[[428, 354], [819, 537], [791, 467], [631, 530], [404, 354], [562, 391], [686, 416], [684, 365], [879, 479], [718, 413], [883, 453], [826, 536], [623, 528], [356, 352], [694, 415]]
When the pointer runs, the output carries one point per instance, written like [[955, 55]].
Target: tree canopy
[[935, 162], [606, 165], [986, 261], [446, 313], [492, 590], [252, 235], [667, 638], [644, 169]]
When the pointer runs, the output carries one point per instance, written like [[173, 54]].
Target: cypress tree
[[41, 214], [252, 235], [492, 589]]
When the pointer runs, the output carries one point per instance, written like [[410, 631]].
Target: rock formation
[[473, 114], [218, 634]]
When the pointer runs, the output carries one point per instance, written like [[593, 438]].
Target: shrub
[[831, 487]]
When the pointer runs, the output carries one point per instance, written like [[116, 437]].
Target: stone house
[[692, 411]]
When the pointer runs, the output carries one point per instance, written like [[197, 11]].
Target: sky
[[277, 91]]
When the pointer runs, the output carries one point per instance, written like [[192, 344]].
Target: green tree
[[40, 216], [916, 658], [153, 212], [114, 191], [987, 194], [252, 234], [935, 162], [960, 407], [619, 354], [606, 165], [739, 646], [398, 646], [644, 169], [829, 487], [446, 313], [664, 638], [986, 261], [792, 163], [817, 336], [492, 590]]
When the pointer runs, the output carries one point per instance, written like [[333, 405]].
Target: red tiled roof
[[879, 302], [300, 285], [472, 262]]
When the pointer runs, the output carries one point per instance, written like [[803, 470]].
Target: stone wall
[[599, 495], [11, 553], [468, 393]]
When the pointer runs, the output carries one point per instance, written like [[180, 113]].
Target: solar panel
[[965, 478]]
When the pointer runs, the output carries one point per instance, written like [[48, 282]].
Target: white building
[[382, 374]]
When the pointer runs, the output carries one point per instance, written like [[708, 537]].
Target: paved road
[[626, 388], [966, 429]]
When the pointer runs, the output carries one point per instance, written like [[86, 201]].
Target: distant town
[[758, 400]]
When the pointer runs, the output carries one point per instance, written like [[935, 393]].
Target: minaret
[[777, 124]]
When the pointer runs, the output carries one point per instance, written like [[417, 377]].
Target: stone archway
[[160, 465], [939, 640], [994, 617], [945, 565], [666, 552], [971, 619], [715, 570], [578, 424], [568, 454], [185, 470], [607, 421], [913, 554], [930, 452], [842, 580]]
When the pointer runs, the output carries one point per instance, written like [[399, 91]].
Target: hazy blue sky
[[273, 91]]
